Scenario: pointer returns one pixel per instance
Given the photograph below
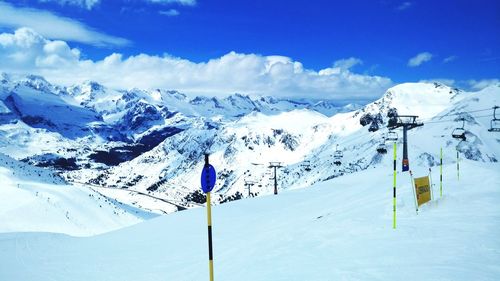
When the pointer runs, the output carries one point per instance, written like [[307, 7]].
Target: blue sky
[[400, 41]]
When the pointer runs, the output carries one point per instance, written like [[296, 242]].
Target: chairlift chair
[[381, 147], [459, 133], [307, 165], [391, 136], [495, 122], [338, 153], [337, 156]]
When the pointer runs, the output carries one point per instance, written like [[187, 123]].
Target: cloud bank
[[26, 51], [52, 26]]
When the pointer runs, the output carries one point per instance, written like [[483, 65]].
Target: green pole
[[394, 190], [441, 174]]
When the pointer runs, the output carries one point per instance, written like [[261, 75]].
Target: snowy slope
[[35, 199], [337, 230]]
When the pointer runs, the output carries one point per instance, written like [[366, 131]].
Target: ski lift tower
[[249, 184], [275, 165], [408, 122]]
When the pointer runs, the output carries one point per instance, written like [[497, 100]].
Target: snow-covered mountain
[[151, 143]]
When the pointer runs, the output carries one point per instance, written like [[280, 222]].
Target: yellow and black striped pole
[[208, 178], [210, 252], [441, 174], [394, 190]]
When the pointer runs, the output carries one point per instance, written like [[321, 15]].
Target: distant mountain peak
[[93, 85], [4, 78], [37, 82]]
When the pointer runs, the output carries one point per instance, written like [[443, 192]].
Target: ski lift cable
[[452, 120], [458, 113]]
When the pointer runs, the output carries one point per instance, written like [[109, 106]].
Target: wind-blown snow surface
[[35, 199], [336, 230]]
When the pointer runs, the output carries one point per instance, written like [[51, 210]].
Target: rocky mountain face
[[153, 141]]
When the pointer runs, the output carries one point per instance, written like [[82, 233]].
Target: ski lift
[[495, 122], [381, 147], [459, 133], [337, 156], [391, 136]]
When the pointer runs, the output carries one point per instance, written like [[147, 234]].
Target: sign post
[[441, 174], [208, 177], [394, 190]]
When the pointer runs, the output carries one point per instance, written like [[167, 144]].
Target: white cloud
[[170, 13], [483, 83], [347, 63], [419, 59], [405, 5], [182, 2], [449, 59], [27, 52], [53, 26], [88, 4]]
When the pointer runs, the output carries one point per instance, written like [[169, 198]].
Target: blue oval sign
[[208, 176]]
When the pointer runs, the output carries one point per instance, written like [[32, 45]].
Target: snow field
[[37, 200], [336, 230]]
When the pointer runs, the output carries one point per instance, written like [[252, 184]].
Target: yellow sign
[[423, 190]]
